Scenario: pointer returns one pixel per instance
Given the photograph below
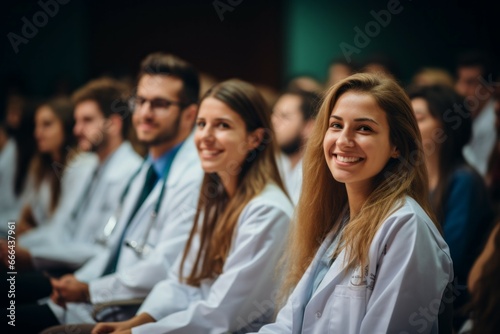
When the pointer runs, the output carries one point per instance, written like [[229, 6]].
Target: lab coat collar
[[116, 160]]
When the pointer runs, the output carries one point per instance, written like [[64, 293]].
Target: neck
[[56, 156], [158, 150], [112, 145], [357, 195], [295, 158], [230, 183], [432, 164]]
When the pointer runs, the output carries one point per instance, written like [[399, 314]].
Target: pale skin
[[222, 140]]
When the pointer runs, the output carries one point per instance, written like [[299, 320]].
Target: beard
[[165, 136], [293, 146]]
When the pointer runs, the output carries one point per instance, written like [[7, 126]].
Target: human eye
[[365, 128], [335, 125], [200, 124], [223, 125], [160, 103]]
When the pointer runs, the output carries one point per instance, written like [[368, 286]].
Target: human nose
[[345, 138], [207, 133]]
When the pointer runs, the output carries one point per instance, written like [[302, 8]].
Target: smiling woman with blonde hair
[[365, 254]]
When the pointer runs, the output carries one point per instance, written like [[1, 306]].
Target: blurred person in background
[[8, 159], [475, 71], [430, 76], [293, 120], [102, 119], [458, 193], [484, 307], [493, 172], [339, 69], [55, 149]]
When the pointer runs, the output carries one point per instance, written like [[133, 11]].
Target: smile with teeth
[[209, 153], [342, 158]]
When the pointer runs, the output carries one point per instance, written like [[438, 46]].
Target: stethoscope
[[141, 248], [111, 223]]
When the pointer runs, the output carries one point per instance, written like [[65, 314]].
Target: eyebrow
[[218, 119], [362, 119]]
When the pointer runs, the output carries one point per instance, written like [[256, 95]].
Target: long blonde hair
[[324, 199], [217, 214]]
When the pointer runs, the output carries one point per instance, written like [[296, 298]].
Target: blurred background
[[265, 42]]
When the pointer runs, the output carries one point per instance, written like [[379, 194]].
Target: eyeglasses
[[157, 104]]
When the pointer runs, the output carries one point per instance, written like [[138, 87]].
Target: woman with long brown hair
[[458, 194], [224, 280], [55, 145], [364, 255]]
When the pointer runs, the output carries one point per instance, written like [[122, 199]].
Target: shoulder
[[80, 162], [411, 222], [271, 200], [466, 183]]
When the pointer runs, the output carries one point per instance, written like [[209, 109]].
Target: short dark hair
[[477, 58], [110, 95], [159, 63], [309, 102]]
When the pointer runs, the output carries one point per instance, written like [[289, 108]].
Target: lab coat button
[[318, 315]]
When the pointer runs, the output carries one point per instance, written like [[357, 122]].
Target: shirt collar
[[162, 161]]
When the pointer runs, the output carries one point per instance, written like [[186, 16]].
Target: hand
[[69, 289], [123, 327]]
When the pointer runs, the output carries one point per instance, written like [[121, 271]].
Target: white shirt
[[9, 202], [477, 152], [72, 239], [291, 176]]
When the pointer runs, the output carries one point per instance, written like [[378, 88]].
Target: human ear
[[395, 152], [115, 124], [255, 138]]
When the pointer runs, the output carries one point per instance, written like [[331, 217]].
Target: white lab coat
[[71, 242], [399, 292], [291, 176], [73, 182], [477, 152], [9, 202], [135, 276], [242, 296]]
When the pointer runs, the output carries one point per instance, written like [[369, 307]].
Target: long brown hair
[[485, 298], [217, 214], [324, 199], [457, 128], [43, 167]]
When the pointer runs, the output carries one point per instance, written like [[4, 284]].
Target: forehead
[[470, 71], [351, 105], [214, 108], [87, 108], [154, 86], [420, 105], [44, 112], [288, 102]]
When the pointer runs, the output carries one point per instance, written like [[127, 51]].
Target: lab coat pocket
[[348, 307]]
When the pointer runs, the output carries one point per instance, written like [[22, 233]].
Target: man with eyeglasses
[[158, 207]]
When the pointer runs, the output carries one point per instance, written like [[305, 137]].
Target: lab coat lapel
[[334, 275]]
